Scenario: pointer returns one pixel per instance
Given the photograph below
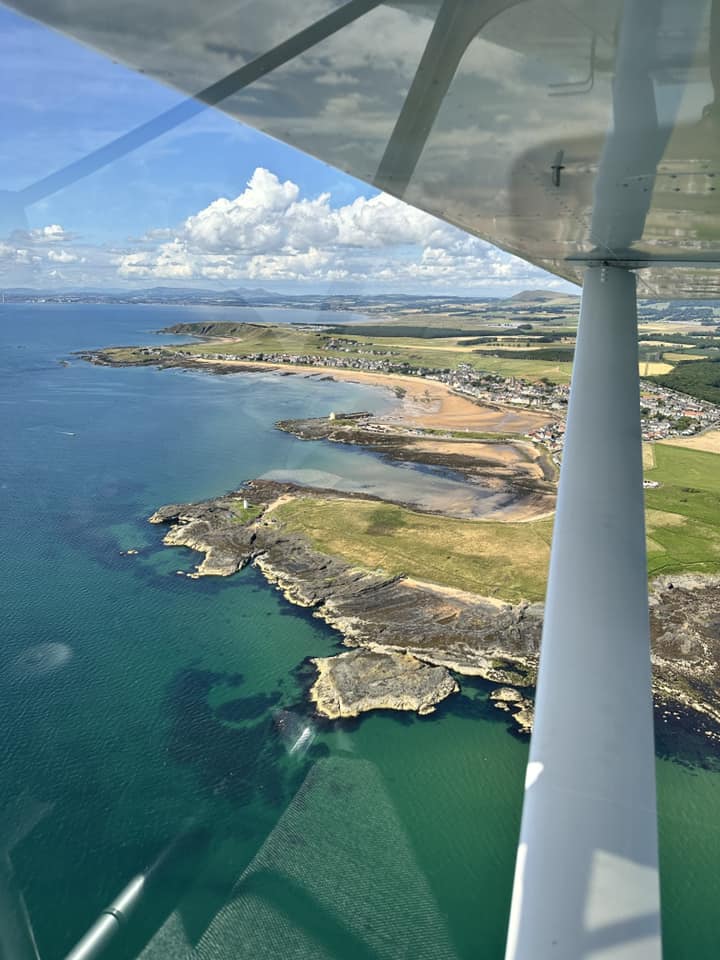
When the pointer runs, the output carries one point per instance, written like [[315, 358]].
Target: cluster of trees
[[697, 378], [551, 354]]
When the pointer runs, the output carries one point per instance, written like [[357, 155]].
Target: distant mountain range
[[153, 294], [258, 296], [241, 296]]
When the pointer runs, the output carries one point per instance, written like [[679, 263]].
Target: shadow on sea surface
[[244, 752]]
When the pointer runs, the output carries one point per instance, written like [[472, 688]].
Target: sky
[[211, 204]]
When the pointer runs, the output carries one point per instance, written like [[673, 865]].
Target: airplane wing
[[490, 114]]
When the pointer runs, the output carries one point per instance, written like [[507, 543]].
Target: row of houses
[[665, 413]]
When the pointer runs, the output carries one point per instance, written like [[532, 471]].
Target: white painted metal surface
[[586, 882]]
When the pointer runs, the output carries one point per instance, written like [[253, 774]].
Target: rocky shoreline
[[411, 640], [107, 357], [391, 617]]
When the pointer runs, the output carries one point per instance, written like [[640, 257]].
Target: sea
[[155, 729]]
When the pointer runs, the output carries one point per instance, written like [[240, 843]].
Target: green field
[[509, 560], [504, 560], [443, 353], [555, 371], [684, 513], [261, 338]]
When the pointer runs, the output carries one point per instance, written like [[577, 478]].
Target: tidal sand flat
[[425, 403], [498, 476]]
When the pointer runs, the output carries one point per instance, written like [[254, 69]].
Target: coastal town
[[665, 413]]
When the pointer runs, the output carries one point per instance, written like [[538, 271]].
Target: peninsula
[[429, 590], [411, 638]]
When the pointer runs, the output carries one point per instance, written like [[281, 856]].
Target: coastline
[[388, 616], [426, 403], [456, 632], [486, 445], [517, 476], [442, 622]]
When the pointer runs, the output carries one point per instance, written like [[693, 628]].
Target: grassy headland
[[494, 559], [509, 560]]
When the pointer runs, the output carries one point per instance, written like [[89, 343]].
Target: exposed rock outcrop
[[417, 623], [521, 708], [362, 680], [211, 528]]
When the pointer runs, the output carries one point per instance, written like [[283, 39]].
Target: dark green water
[[139, 707]]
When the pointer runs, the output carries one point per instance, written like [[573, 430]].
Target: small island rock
[[361, 680]]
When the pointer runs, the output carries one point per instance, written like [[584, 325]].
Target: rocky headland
[[147, 357], [401, 620], [411, 640]]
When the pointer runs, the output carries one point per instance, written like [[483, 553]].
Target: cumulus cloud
[[32, 258], [271, 232], [62, 256], [274, 234], [53, 233]]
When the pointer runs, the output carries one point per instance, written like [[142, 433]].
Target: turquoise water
[[141, 708]]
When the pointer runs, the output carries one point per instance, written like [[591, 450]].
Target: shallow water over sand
[[426, 488]]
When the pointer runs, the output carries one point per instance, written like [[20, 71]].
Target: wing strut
[[458, 22], [250, 72], [586, 878]]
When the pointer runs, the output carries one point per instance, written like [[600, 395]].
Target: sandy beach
[[426, 403]]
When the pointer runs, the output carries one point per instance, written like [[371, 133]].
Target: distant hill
[[183, 293], [540, 296]]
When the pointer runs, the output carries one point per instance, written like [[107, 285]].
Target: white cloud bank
[[271, 234]]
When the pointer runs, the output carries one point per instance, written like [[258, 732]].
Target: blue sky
[[212, 203]]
